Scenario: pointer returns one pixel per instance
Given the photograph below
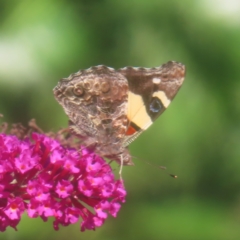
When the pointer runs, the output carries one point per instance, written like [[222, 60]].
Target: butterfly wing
[[95, 101], [109, 108], [151, 90]]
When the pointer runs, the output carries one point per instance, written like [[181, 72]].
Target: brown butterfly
[[110, 108]]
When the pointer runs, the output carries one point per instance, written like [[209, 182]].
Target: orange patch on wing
[[130, 131]]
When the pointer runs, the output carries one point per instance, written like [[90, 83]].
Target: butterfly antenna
[[154, 165]]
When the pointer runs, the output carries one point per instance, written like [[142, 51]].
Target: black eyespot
[[155, 105]]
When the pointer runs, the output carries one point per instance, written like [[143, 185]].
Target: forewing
[[151, 90]]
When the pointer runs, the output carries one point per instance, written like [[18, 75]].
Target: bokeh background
[[197, 138]]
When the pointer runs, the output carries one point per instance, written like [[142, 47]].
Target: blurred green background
[[197, 138]]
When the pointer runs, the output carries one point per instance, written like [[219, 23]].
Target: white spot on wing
[[156, 80]]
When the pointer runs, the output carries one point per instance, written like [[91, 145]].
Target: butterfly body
[[109, 108]]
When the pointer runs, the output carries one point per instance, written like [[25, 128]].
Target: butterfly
[[109, 108]]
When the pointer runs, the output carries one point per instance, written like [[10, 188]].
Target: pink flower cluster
[[45, 179]]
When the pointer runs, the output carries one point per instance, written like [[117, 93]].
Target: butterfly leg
[[121, 167]]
